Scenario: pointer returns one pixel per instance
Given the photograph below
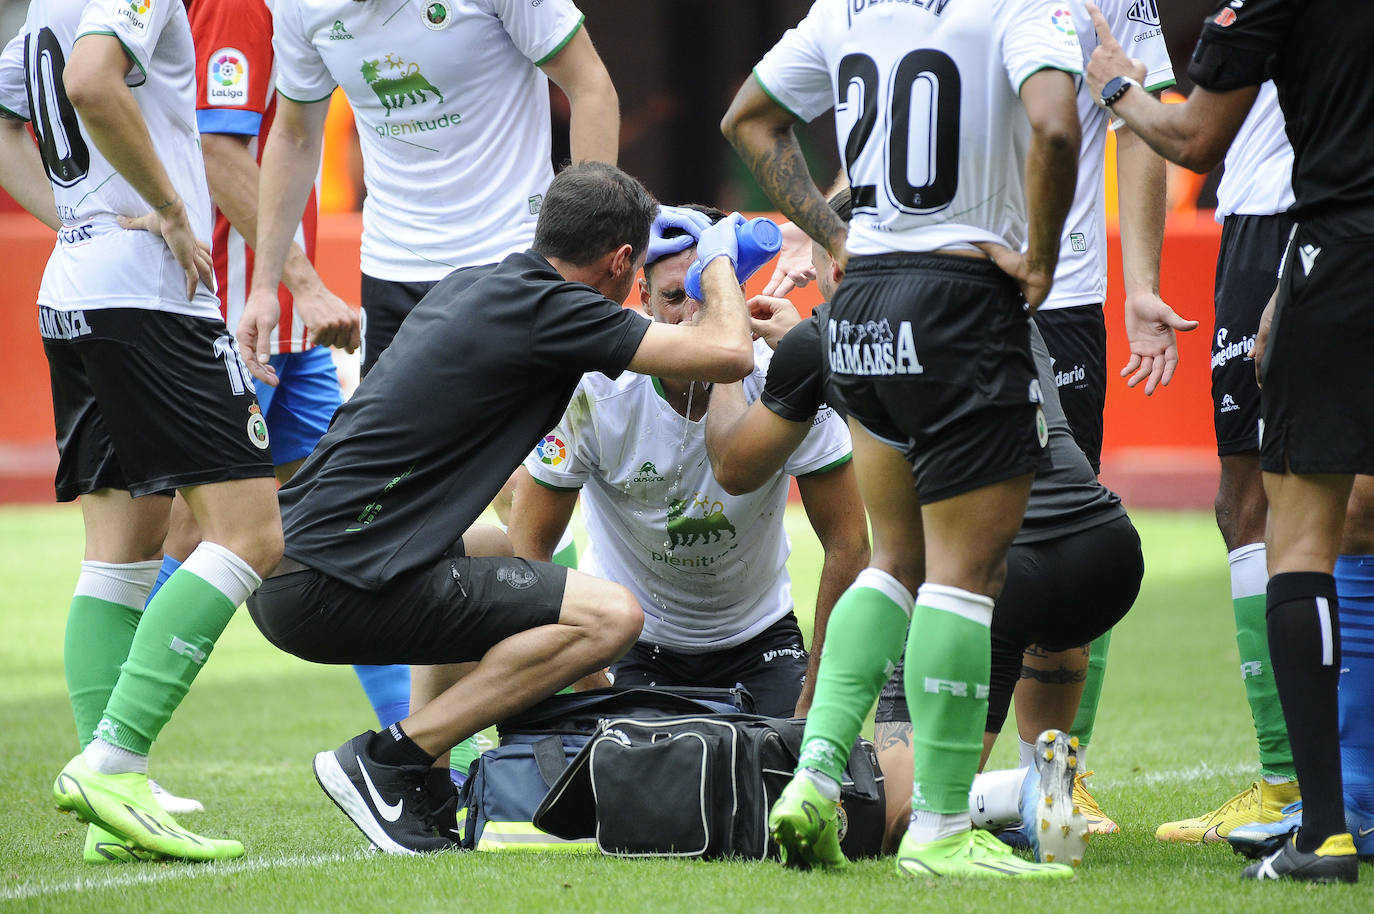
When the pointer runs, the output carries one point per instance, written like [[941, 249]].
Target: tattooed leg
[[893, 740], [1051, 685]]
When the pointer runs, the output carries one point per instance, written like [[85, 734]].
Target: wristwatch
[[1115, 88]]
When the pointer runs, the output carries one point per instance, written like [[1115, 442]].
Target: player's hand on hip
[[172, 225], [189, 251], [1109, 59], [261, 313], [1151, 329], [330, 320], [770, 318], [675, 229], [1032, 277], [794, 268]]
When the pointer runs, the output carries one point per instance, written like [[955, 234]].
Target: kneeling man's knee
[[624, 619], [606, 612]]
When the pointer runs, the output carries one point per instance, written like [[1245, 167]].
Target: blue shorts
[[299, 408]]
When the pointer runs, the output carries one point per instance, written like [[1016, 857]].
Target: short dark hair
[[842, 202], [710, 212], [591, 209]]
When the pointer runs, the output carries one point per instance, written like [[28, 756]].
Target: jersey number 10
[[65, 153], [925, 86]]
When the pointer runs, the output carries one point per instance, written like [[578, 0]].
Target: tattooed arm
[[761, 131]]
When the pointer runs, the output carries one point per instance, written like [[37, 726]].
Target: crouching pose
[[479, 372], [705, 556]]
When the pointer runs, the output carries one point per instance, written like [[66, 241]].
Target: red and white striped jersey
[[235, 79]]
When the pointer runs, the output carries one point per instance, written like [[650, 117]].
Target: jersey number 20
[[65, 153], [925, 87]]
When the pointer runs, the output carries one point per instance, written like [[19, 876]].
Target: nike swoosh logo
[[389, 811], [1365, 832]]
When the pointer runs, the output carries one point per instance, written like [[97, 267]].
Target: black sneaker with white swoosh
[[389, 804]]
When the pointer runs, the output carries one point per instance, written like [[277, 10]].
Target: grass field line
[[125, 876], [122, 876], [1199, 772]]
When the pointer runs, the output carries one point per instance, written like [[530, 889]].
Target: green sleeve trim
[[759, 80], [1071, 72], [549, 485], [12, 115], [562, 44], [307, 101], [658, 386], [829, 466], [1161, 86], [127, 53]]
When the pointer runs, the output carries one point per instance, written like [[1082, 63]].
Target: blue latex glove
[[720, 240], [686, 225]]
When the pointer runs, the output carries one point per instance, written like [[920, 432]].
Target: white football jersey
[[927, 110], [1258, 180], [1081, 277], [452, 113], [708, 568], [97, 264]]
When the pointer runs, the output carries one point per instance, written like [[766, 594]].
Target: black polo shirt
[[1320, 54], [477, 375]]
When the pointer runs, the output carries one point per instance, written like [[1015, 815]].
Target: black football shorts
[[149, 402], [931, 353], [1247, 272], [1316, 407]]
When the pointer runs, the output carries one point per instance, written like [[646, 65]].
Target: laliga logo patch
[[1063, 22], [226, 77], [437, 16], [257, 428], [551, 451], [135, 12]]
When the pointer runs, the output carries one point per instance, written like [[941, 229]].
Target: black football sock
[[1305, 649], [392, 747], [439, 784]]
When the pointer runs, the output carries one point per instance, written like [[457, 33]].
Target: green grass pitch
[[1173, 738]]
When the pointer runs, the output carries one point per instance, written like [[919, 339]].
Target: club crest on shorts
[[516, 576], [257, 428]]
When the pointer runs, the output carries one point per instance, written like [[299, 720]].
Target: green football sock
[[948, 662], [864, 637], [101, 623], [178, 630], [1086, 717], [1249, 578], [461, 756]]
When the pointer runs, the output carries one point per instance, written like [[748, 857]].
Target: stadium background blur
[[676, 65]]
